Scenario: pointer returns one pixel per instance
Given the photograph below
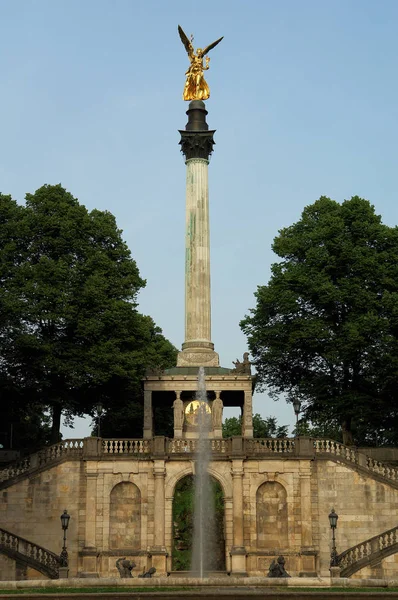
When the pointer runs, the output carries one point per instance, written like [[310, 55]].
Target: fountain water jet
[[204, 511]]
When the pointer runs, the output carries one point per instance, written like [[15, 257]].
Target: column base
[[89, 563], [308, 564], [238, 561], [248, 432], [158, 558], [198, 357]]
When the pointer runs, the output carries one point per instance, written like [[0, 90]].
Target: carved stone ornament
[[243, 368], [197, 144], [198, 359]]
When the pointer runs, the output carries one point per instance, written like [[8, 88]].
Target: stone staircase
[[352, 457], [43, 459], [368, 553], [30, 554]]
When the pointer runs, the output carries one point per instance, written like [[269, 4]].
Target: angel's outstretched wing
[[211, 46], [185, 41]]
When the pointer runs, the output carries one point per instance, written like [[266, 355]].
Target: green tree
[[262, 428], [325, 328], [71, 334]]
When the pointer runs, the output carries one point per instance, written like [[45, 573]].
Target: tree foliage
[[71, 334], [325, 328], [262, 428]]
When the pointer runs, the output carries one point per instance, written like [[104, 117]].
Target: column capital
[[237, 469]]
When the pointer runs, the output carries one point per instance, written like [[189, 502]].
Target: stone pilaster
[[158, 552], [307, 549], [247, 429], [238, 551], [148, 415], [89, 560]]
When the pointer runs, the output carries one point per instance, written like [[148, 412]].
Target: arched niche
[[125, 516], [271, 514], [183, 525]]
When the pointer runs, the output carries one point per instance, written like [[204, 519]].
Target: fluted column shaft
[[197, 254]]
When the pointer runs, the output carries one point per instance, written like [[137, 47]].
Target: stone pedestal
[[63, 572], [238, 561], [158, 559], [334, 572]]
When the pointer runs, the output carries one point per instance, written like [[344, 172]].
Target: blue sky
[[303, 98]]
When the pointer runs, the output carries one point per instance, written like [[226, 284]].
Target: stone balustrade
[[356, 457], [129, 446], [178, 446], [270, 446], [40, 558], [375, 548], [160, 446]]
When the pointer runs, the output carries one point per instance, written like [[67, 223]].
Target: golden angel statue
[[196, 87]]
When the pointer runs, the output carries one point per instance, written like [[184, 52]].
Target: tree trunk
[[56, 424], [348, 440]]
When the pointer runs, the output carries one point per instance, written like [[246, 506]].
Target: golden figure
[[194, 410], [196, 87]]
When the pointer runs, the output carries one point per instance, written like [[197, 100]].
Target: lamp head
[[296, 406], [65, 520], [333, 516]]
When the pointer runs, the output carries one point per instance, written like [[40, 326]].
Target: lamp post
[[65, 524], [100, 410], [333, 516], [297, 408]]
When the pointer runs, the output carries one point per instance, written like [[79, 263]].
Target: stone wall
[[32, 508], [123, 507], [365, 507]]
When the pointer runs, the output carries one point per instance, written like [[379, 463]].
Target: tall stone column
[[158, 551], [197, 145], [238, 551]]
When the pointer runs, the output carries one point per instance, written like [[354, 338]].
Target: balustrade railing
[[96, 447], [48, 562], [355, 558], [128, 446], [45, 456], [15, 469], [325, 446], [177, 446], [269, 446], [57, 451], [382, 469]]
